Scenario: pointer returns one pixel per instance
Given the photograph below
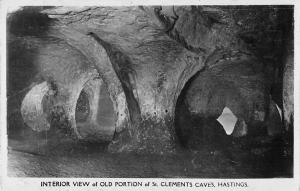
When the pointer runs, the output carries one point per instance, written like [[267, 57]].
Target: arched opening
[[226, 100], [95, 115], [32, 108], [82, 107], [197, 127]]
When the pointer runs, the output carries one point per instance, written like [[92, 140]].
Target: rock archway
[[67, 73], [147, 82], [95, 116], [231, 92]]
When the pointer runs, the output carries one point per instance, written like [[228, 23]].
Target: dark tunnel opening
[[95, 115], [82, 107], [24, 27], [258, 134], [28, 21], [196, 131], [233, 98], [21, 71]]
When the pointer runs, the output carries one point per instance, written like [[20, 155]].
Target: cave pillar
[[156, 131], [157, 95], [153, 130]]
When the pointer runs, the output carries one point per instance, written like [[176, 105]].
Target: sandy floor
[[32, 155]]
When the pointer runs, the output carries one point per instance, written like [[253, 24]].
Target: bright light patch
[[228, 120]]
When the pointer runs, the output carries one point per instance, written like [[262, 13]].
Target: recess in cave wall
[[95, 115]]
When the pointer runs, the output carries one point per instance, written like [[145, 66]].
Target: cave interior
[[182, 91]]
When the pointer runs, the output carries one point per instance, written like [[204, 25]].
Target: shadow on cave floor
[[56, 155]]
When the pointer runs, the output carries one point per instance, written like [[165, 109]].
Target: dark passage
[[252, 144], [82, 107]]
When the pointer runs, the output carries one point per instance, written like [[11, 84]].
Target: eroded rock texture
[[288, 86], [143, 57]]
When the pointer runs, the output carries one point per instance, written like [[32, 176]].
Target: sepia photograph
[[164, 91]]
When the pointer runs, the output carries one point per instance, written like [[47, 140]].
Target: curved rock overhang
[[233, 92], [151, 66], [32, 108], [66, 71]]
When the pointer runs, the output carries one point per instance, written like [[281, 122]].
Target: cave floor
[[37, 156]]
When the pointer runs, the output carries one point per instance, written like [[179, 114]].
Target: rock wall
[[288, 87]]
